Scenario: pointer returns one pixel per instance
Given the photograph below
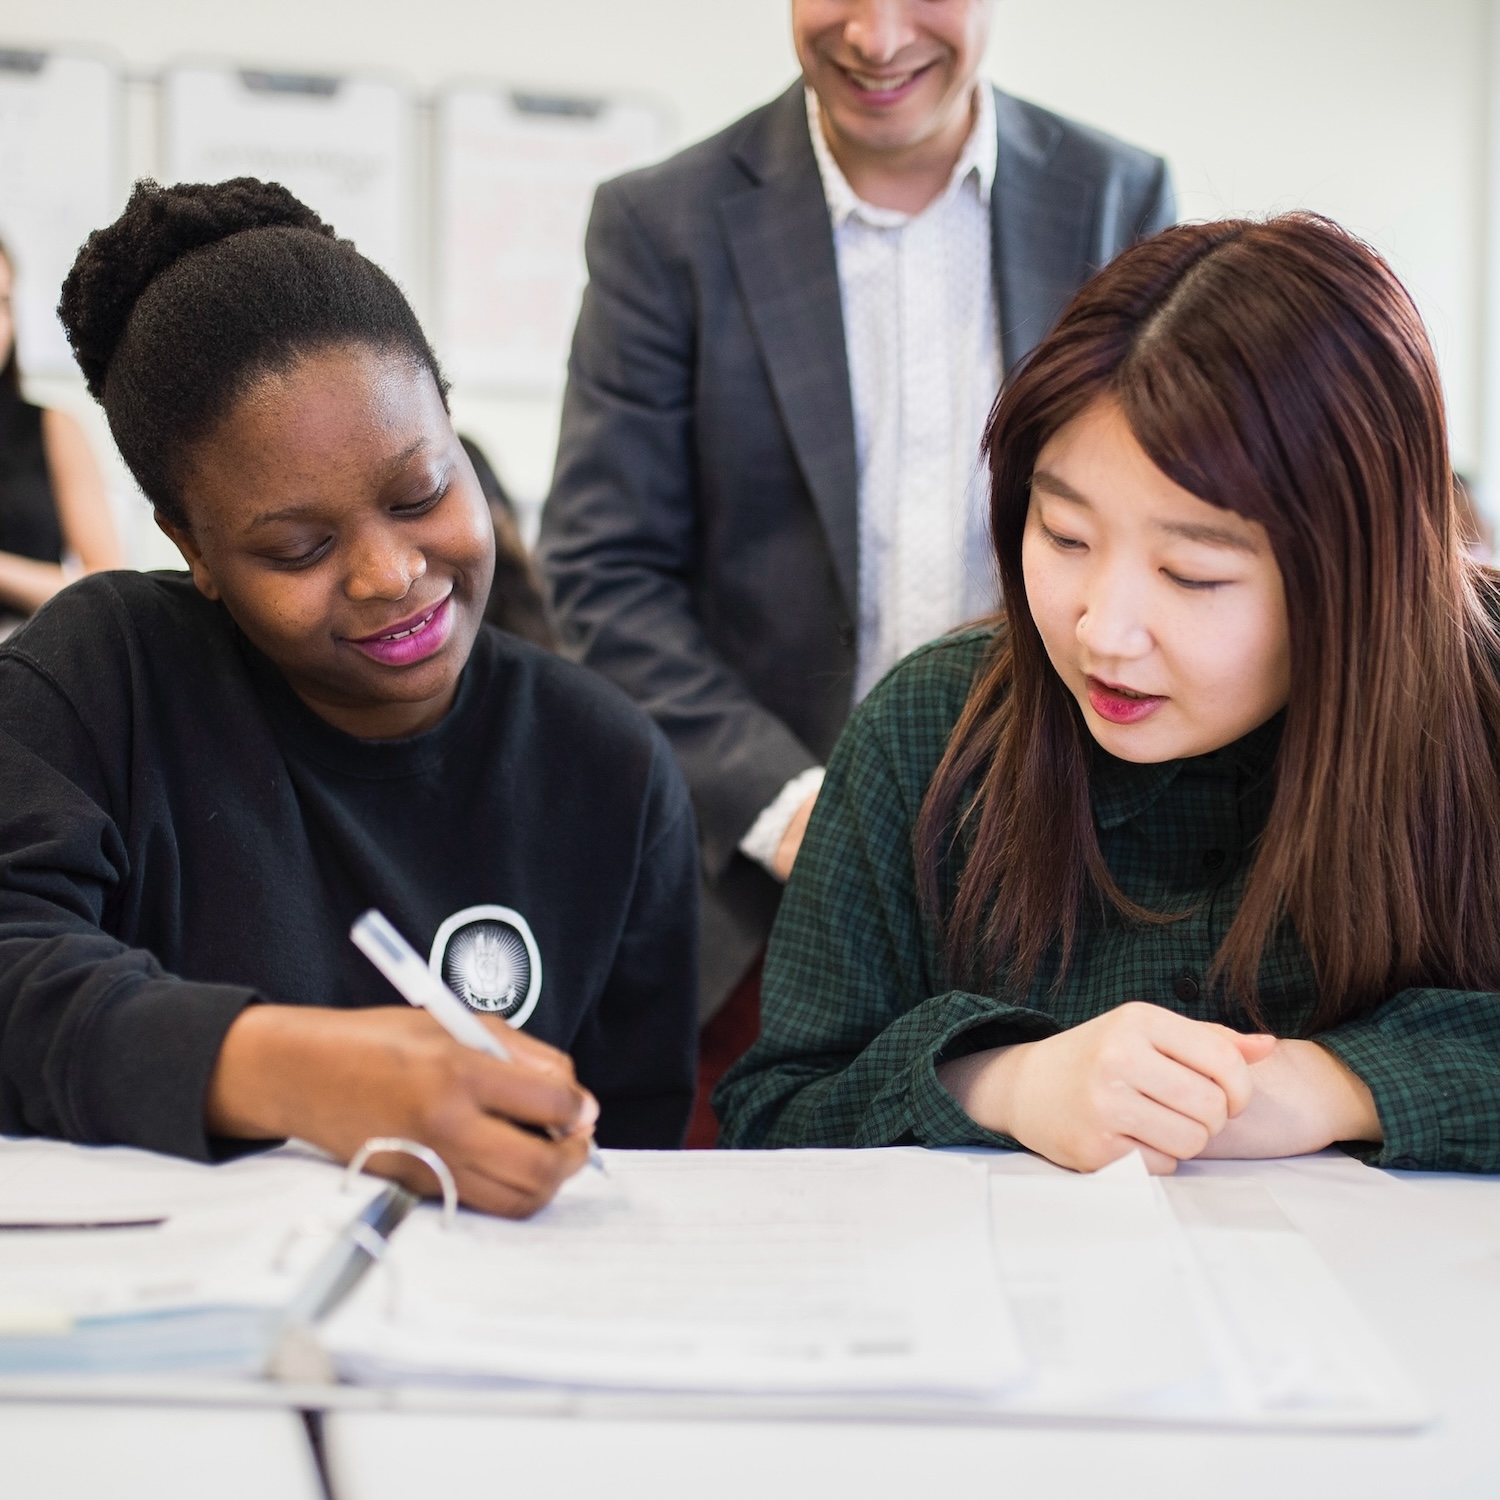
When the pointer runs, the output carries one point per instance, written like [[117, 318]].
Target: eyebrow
[[1214, 536], [289, 513], [297, 512], [1190, 531], [1045, 479]]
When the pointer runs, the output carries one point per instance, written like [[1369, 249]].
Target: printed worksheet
[[1193, 1299], [713, 1271]]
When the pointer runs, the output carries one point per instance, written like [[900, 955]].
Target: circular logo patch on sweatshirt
[[487, 956]]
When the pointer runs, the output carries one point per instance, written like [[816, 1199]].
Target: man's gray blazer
[[701, 537]]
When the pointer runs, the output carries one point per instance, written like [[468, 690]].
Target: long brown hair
[[1279, 370]]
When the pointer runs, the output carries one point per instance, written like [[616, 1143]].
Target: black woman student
[[206, 776], [1195, 851]]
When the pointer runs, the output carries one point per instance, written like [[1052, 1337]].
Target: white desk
[[58, 1451], [1420, 1254]]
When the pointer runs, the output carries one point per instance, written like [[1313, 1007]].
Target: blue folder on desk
[[115, 1261]]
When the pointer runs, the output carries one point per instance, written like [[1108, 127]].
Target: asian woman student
[[206, 776], [1195, 849]]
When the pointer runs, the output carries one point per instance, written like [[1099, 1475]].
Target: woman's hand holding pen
[[1139, 1076], [338, 1077]]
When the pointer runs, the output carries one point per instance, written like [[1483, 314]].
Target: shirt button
[[1185, 987], [1213, 859]]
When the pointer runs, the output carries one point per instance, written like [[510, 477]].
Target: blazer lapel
[[1041, 221], [781, 246]]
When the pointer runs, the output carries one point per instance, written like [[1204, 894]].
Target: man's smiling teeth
[[882, 85], [401, 635]]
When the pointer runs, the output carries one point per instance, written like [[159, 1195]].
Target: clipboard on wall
[[516, 174], [59, 179], [342, 145]]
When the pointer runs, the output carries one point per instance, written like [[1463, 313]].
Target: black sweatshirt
[[180, 836]]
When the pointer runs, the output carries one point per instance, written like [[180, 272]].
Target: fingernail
[[589, 1112]]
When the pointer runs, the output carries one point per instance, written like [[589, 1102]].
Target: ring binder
[[425, 1154], [296, 1356]]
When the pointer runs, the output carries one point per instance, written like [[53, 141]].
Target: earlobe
[[182, 539]]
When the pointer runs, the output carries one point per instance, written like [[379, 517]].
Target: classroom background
[[1382, 113]]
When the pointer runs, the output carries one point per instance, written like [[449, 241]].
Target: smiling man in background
[[768, 488]]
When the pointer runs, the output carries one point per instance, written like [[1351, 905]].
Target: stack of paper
[[1105, 1291], [1299, 1350], [114, 1260], [858, 1283], [891, 1281], [1193, 1300], [795, 1271]]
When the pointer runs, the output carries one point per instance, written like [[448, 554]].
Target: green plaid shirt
[[857, 1008]]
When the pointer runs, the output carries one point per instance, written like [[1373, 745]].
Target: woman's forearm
[[88, 527], [26, 585]]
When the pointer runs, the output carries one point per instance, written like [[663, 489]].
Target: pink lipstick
[[1121, 705], [413, 639]]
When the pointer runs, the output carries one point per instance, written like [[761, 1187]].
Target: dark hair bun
[[160, 225], [195, 292]]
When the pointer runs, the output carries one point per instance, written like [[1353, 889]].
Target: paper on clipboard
[[59, 179], [516, 178], [342, 145]]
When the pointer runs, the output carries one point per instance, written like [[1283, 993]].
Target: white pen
[[374, 936]]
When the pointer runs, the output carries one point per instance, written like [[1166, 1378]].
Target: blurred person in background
[[54, 512], [516, 603]]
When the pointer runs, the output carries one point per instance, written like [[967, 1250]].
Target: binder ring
[[424, 1154]]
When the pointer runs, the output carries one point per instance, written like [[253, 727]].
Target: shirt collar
[[1121, 790], [976, 163]]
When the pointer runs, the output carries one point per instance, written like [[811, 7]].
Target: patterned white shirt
[[921, 334], [922, 337]]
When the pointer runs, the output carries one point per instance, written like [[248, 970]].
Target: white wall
[[1373, 111]]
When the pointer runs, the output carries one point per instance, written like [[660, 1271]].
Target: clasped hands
[[1143, 1077]]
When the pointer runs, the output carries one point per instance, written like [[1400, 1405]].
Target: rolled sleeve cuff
[[935, 1117], [763, 840], [1406, 1101]]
